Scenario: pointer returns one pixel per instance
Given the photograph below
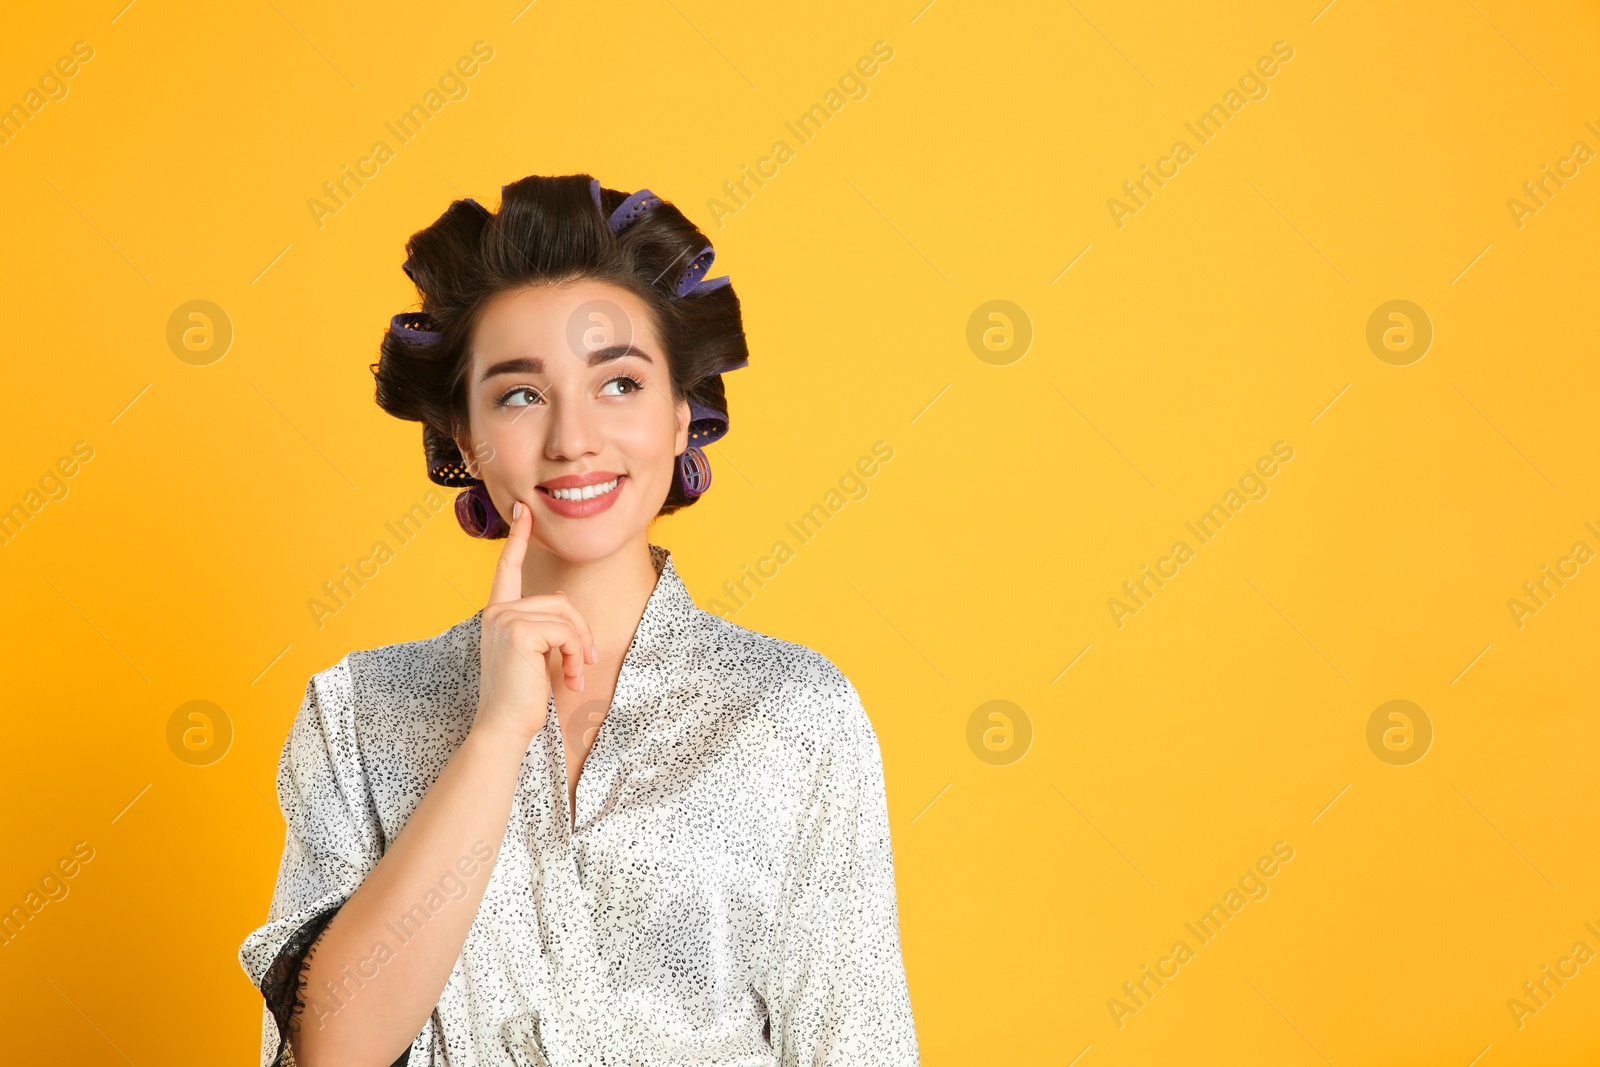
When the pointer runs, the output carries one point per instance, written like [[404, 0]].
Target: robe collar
[[642, 704], [661, 646]]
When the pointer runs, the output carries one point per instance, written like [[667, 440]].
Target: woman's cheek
[[505, 459], [648, 457]]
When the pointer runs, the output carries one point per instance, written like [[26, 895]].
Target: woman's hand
[[518, 635]]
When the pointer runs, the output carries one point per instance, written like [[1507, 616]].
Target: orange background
[[1142, 770]]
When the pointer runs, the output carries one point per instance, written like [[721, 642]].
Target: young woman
[[592, 824]]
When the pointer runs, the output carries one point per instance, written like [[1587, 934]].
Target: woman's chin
[[587, 540]]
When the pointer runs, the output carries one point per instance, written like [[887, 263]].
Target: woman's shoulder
[[806, 691], [430, 674]]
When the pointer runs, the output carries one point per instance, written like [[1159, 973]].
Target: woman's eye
[[633, 384], [510, 400], [527, 396]]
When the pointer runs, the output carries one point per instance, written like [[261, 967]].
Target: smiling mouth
[[587, 492]]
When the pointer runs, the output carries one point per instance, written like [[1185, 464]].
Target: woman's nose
[[573, 431]]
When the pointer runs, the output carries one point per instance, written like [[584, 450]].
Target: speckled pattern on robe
[[730, 871]]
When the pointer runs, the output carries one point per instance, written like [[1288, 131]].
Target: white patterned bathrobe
[[727, 896]]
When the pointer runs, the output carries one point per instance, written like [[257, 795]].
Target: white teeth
[[585, 493]]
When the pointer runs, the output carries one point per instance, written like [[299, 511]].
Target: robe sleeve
[[836, 989], [332, 841]]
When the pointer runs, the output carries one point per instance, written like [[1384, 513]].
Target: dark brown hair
[[548, 230]]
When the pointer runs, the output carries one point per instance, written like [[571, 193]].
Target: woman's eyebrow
[[535, 365]]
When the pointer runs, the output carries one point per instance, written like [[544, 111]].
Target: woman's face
[[569, 388]]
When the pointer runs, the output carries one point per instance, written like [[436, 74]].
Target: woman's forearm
[[377, 972]]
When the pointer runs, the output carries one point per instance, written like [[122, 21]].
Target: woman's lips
[[581, 509]]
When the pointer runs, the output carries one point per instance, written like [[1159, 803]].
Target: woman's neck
[[610, 593]]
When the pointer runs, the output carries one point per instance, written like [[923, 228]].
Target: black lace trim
[[285, 981]]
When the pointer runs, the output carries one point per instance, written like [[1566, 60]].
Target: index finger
[[507, 583]]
